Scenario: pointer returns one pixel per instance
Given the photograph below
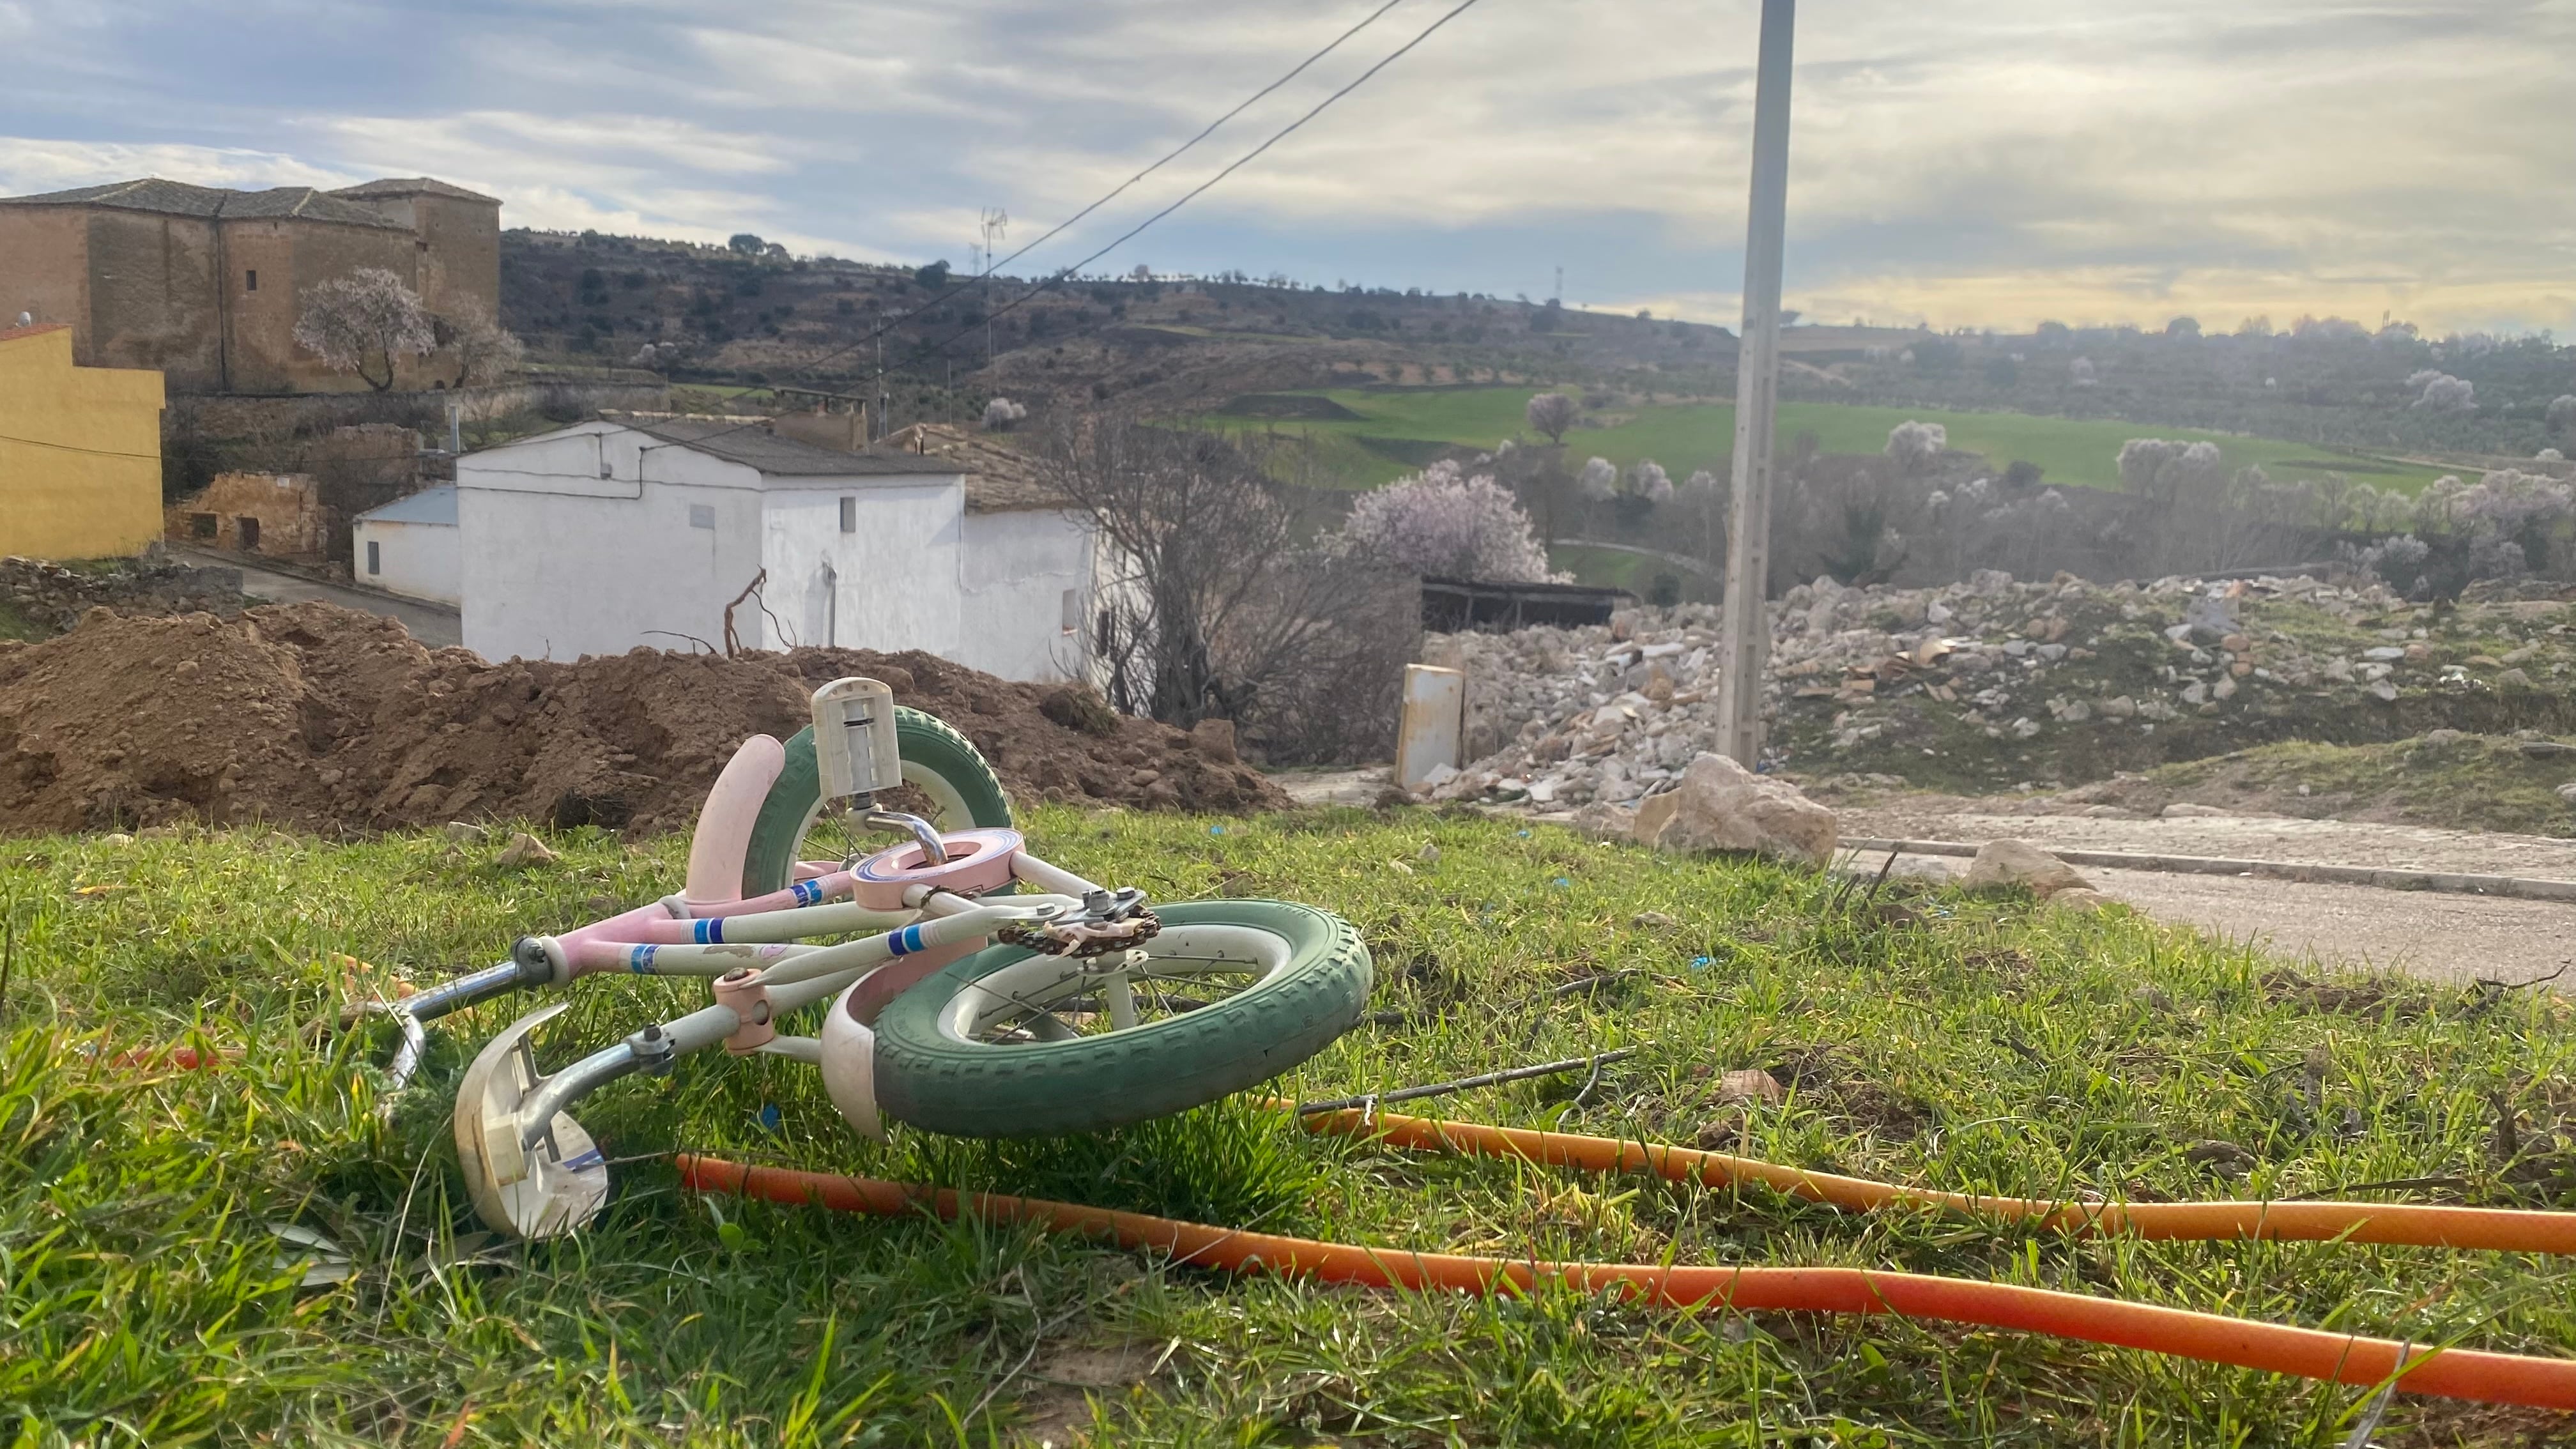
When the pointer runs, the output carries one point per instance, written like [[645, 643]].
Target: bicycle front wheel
[[1009, 1043]]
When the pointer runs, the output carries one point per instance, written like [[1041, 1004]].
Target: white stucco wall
[[1019, 567], [559, 562], [417, 560], [891, 585]]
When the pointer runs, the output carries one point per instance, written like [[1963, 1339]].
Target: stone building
[[201, 282]]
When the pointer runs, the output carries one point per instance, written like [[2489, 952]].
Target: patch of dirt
[[319, 717], [1055, 1411]]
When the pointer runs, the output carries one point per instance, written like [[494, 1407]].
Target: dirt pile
[[318, 717]]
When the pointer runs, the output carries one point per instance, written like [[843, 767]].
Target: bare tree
[[1552, 413], [1222, 607], [364, 323], [485, 351]]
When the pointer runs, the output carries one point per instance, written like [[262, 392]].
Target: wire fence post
[[1745, 645]]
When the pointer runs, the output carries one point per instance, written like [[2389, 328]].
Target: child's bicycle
[[975, 990]]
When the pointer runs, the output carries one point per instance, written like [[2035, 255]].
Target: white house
[[641, 530], [408, 546]]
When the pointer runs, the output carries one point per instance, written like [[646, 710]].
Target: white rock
[[1723, 806], [2004, 863], [2185, 810]]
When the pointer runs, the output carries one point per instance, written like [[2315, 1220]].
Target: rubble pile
[[1996, 682], [53, 597]]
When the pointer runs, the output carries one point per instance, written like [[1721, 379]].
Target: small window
[[250, 280], [849, 515], [702, 515], [246, 532], [1072, 615], [203, 525], [375, 557]]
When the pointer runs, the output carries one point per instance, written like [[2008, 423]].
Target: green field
[[1688, 436], [1984, 1045]]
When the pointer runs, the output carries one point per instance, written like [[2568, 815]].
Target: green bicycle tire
[[935, 757], [933, 1080]]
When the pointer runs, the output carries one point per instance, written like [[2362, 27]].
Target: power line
[[1175, 153], [1236, 165], [77, 448], [1185, 199], [1167, 158]]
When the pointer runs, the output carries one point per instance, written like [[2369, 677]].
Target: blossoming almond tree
[[364, 323], [1444, 524]]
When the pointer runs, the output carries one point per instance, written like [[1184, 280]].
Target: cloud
[[1984, 165]]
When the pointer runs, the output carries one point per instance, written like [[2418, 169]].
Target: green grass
[[2476, 782], [1928, 1038], [1688, 436]]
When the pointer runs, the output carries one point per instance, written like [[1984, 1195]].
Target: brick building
[[201, 282]]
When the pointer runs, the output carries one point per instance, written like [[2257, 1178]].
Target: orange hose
[[2496, 1378], [2412, 1224]]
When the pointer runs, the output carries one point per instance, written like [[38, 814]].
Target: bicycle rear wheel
[[964, 794], [1009, 1043]]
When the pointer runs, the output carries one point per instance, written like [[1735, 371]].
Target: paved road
[[2442, 937], [2446, 937], [431, 624]]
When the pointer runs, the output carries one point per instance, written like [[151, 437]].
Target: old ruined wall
[[44, 268], [293, 255], [277, 515]]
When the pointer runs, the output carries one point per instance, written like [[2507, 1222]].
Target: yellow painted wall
[[80, 452]]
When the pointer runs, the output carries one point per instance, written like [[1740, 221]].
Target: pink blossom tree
[[364, 323], [1917, 446], [1599, 479], [1551, 413], [1443, 523]]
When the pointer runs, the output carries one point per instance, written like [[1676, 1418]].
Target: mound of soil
[[319, 717]]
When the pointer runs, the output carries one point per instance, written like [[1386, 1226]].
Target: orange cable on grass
[[2410, 1224], [2496, 1378]]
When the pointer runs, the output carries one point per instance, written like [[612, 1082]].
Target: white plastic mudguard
[[850, 1067], [548, 1192]]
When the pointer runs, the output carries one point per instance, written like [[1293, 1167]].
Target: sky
[[1987, 164]]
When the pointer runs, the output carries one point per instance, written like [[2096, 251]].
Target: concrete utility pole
[[1745, 648]]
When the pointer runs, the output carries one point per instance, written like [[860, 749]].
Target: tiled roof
[[414, 186], [12, 334], [999, 478], [753, 445], [179, 198]]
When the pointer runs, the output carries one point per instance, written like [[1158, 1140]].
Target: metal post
[[1745, 647]]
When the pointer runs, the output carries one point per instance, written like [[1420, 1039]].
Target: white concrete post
[[1430, 732]]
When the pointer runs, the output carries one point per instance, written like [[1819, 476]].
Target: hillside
[[756, 320], [736, 320]]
